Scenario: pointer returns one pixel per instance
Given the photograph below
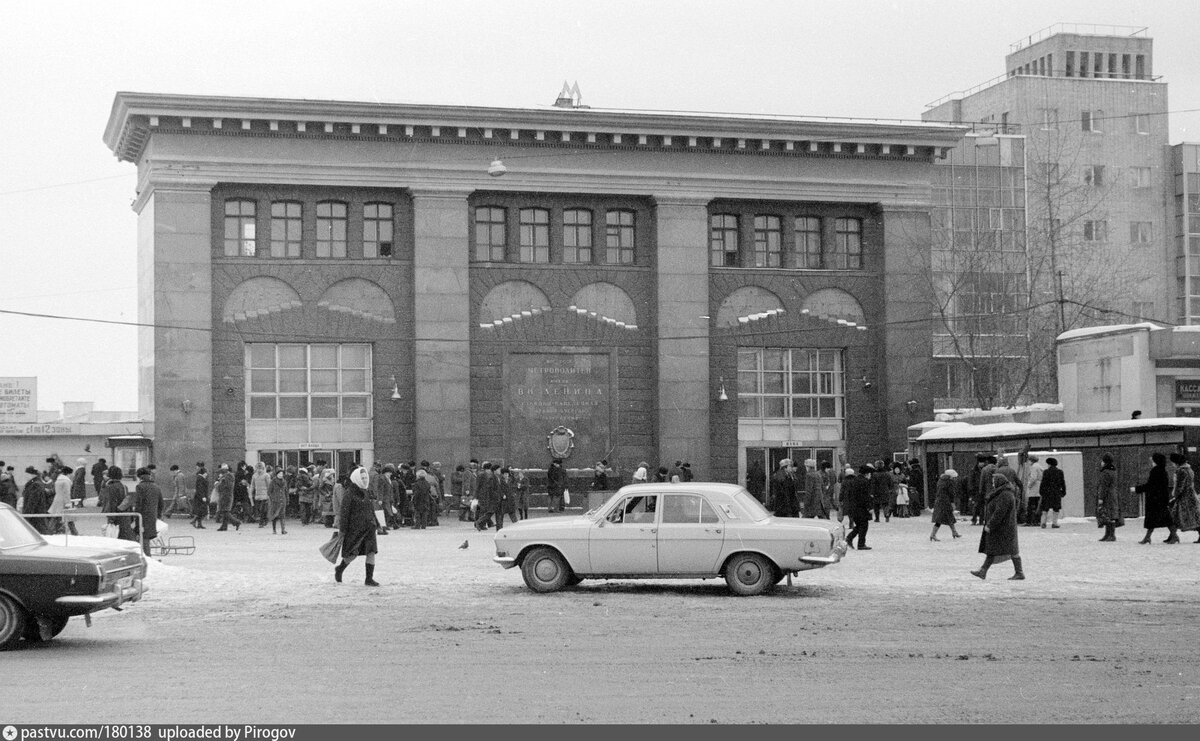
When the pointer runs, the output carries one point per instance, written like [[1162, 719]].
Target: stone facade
[[474, 346]]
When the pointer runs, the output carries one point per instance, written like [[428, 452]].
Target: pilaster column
[[682, 287], [441, 325], [174, 258], [908, 338]]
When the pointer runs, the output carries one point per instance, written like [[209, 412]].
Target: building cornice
[[136, 116]]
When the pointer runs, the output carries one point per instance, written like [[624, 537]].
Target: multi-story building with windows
[[1184, 195], [355, 282], [1094, 119]]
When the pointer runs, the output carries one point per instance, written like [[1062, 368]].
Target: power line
[[63, 185]]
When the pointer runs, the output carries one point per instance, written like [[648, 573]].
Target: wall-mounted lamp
[[721, 395], [186, 404], [395, 389], [865, 383], [496, 169], [911, 405]]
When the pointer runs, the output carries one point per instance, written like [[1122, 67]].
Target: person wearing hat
[[1052, 491], [356, 525], [111, 497], [556, 484], [998, 542], [8, 486], [146, 500], [856, 490], [224, 489], [1157, 491], [422, 499], [35, 501], [277, 499], [79, 482], [813, 504], [200, 496], [783, 497], [1108, 500], [642, 473], [943, 503]]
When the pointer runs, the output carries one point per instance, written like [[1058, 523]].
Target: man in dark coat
[[225, 499], [357, 522], [916, 487], [1052, 491], [146, 499], [8, 487], [200, 496], [1010, 473], [556, 484], [998, 542], [99, 468], [984, 490], [784, 498], [856, 493], [1157, 490], [486, 486], [881, 485], [35, 501]]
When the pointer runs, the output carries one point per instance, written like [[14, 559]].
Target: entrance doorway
[[343, 461], [766, 460]]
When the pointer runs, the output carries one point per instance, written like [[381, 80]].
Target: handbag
[[331, 548], [566, 496]]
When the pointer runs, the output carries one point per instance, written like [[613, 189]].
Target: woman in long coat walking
[[1108, 500], [1186, 505], [35, 501], [943, 503], [998, 543], [356, 523], [1158, 500], [277, 496]]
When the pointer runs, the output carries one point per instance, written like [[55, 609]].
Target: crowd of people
[[994, 494]]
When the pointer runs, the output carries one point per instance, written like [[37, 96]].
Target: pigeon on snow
[[465, 544]]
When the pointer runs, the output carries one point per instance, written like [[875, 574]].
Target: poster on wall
[[18, 399], [547, 390]]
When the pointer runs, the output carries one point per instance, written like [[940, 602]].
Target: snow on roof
[[965, 431], [1074, 334]]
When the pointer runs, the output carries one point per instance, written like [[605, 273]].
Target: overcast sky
[[68, 235]]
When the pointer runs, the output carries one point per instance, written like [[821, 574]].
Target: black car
[[43, 585]]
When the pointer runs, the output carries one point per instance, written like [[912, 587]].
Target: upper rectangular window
[[780, 383], [308, 381], [534, 235], [377, 230], [1095, 231], [847, 251], [577, 235], [331, 229], [1141, 176], [490, 234], [285, 228], [723, 240], [808, 242], [768, 242], [1140, 232], [1093, 175], [1049, 118], [1141, 123], [240, 228], [1090, 120], [619, 237]]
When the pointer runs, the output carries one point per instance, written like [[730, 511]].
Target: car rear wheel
[[748, 574], [545, 570], [12, 622], [33, 628]]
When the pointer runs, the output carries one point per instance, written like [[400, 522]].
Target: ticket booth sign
[[1187, 391]]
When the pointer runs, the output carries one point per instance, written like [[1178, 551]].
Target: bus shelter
[[1131, 443]]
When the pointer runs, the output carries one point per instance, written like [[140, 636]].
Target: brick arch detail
[[747, 301], [257, 297]]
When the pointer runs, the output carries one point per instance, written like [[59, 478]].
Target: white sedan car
[[668, 531]]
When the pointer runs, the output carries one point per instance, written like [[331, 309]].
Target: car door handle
[[717, 531]]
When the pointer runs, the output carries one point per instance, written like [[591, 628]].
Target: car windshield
[[15, 531], [750, 507]]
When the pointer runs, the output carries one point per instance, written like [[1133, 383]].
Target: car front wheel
[[545, 570], [12, 622], [748, 574]]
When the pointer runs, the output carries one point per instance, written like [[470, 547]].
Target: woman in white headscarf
[[357, 526]]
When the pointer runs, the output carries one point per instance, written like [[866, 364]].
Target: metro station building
[[367, 281]]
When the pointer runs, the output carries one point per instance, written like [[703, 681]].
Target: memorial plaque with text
[[546, 389]]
